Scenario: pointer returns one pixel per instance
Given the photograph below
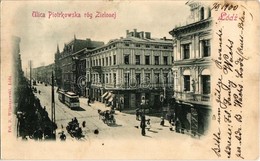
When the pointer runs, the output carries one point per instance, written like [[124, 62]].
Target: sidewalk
[[96, 105]]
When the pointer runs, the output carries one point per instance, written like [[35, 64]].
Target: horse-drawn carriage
[[107, 116], [74, 130]]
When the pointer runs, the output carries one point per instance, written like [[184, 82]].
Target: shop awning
[[111, 98], [104, 95], [108, 96]]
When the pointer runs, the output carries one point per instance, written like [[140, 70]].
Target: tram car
[[70, 99]]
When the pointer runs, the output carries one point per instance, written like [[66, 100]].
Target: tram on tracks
[[69, 98]]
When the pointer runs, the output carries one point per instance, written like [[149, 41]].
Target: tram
[[69, 98]]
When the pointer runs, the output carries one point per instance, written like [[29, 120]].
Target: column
[[152, 78], [197, 46], [193, 48], [178, 51]]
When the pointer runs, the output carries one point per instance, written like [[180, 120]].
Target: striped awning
[[104, 95], [108, 96], [111, 98]]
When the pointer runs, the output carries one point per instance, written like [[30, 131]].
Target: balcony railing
[[192, 97], [145, 85]]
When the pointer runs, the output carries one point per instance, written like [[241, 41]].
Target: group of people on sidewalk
[[174, 123]]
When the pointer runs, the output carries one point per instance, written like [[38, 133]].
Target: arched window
[[205, 80], [186, 79]]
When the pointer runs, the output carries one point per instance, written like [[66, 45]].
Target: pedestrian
[[162, 121], [84, 124], [137, 115], [89, 101], [142, 125], [62, 136], [148, 125], [177, 126], [171, 124]]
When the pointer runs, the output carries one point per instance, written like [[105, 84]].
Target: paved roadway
[[126, 124]]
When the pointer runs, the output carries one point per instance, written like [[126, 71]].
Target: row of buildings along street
[[168, 78]]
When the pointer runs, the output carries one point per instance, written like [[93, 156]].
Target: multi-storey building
[[44, 73], [191, 69], [132, 70], [17, 70], [70, 60]]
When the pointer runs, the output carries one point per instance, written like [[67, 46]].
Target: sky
[[41, 35]]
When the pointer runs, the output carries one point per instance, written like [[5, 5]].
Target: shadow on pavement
[[152, 131], [147, 136], [115, 125], [79, 109]]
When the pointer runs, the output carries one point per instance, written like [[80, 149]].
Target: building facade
[[69, 61], [191, 68], [131, 71], [44, 73]]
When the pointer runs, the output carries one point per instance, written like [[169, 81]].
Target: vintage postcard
[[130, 79]]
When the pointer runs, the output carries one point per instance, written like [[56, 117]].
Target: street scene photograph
[[129, 80], [83, 74]]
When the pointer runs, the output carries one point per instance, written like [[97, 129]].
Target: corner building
[[70, 64], [131, 71], [191, 68]]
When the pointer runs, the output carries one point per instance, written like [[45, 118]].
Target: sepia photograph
[[130, 80]]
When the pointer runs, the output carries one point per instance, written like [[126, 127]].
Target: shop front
[[194, 118]]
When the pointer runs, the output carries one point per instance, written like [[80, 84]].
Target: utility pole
[[53, 107]]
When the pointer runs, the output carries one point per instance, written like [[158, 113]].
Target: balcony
[[191, 97]]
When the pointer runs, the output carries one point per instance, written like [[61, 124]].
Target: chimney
[[135, 30], [127, 33], [147, 35], [141, 34]]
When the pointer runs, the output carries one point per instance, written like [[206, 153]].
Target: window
[[147, 46], [202, 13], [206, 48], [114, 57], [103, 78], [172, 59], [110, 60], [126, 59], [138, 78], [165, 78], [103, 61], [165, 60], [147, 60], [126, 44], [106, 78], [186, 51], [114, 76], [137, 59], [137, 45], [147, 78], [205, 84], [165, 47], [127, 78], [156, 60], [106, 61], [157, 78], [186, 83], [156, 46]]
